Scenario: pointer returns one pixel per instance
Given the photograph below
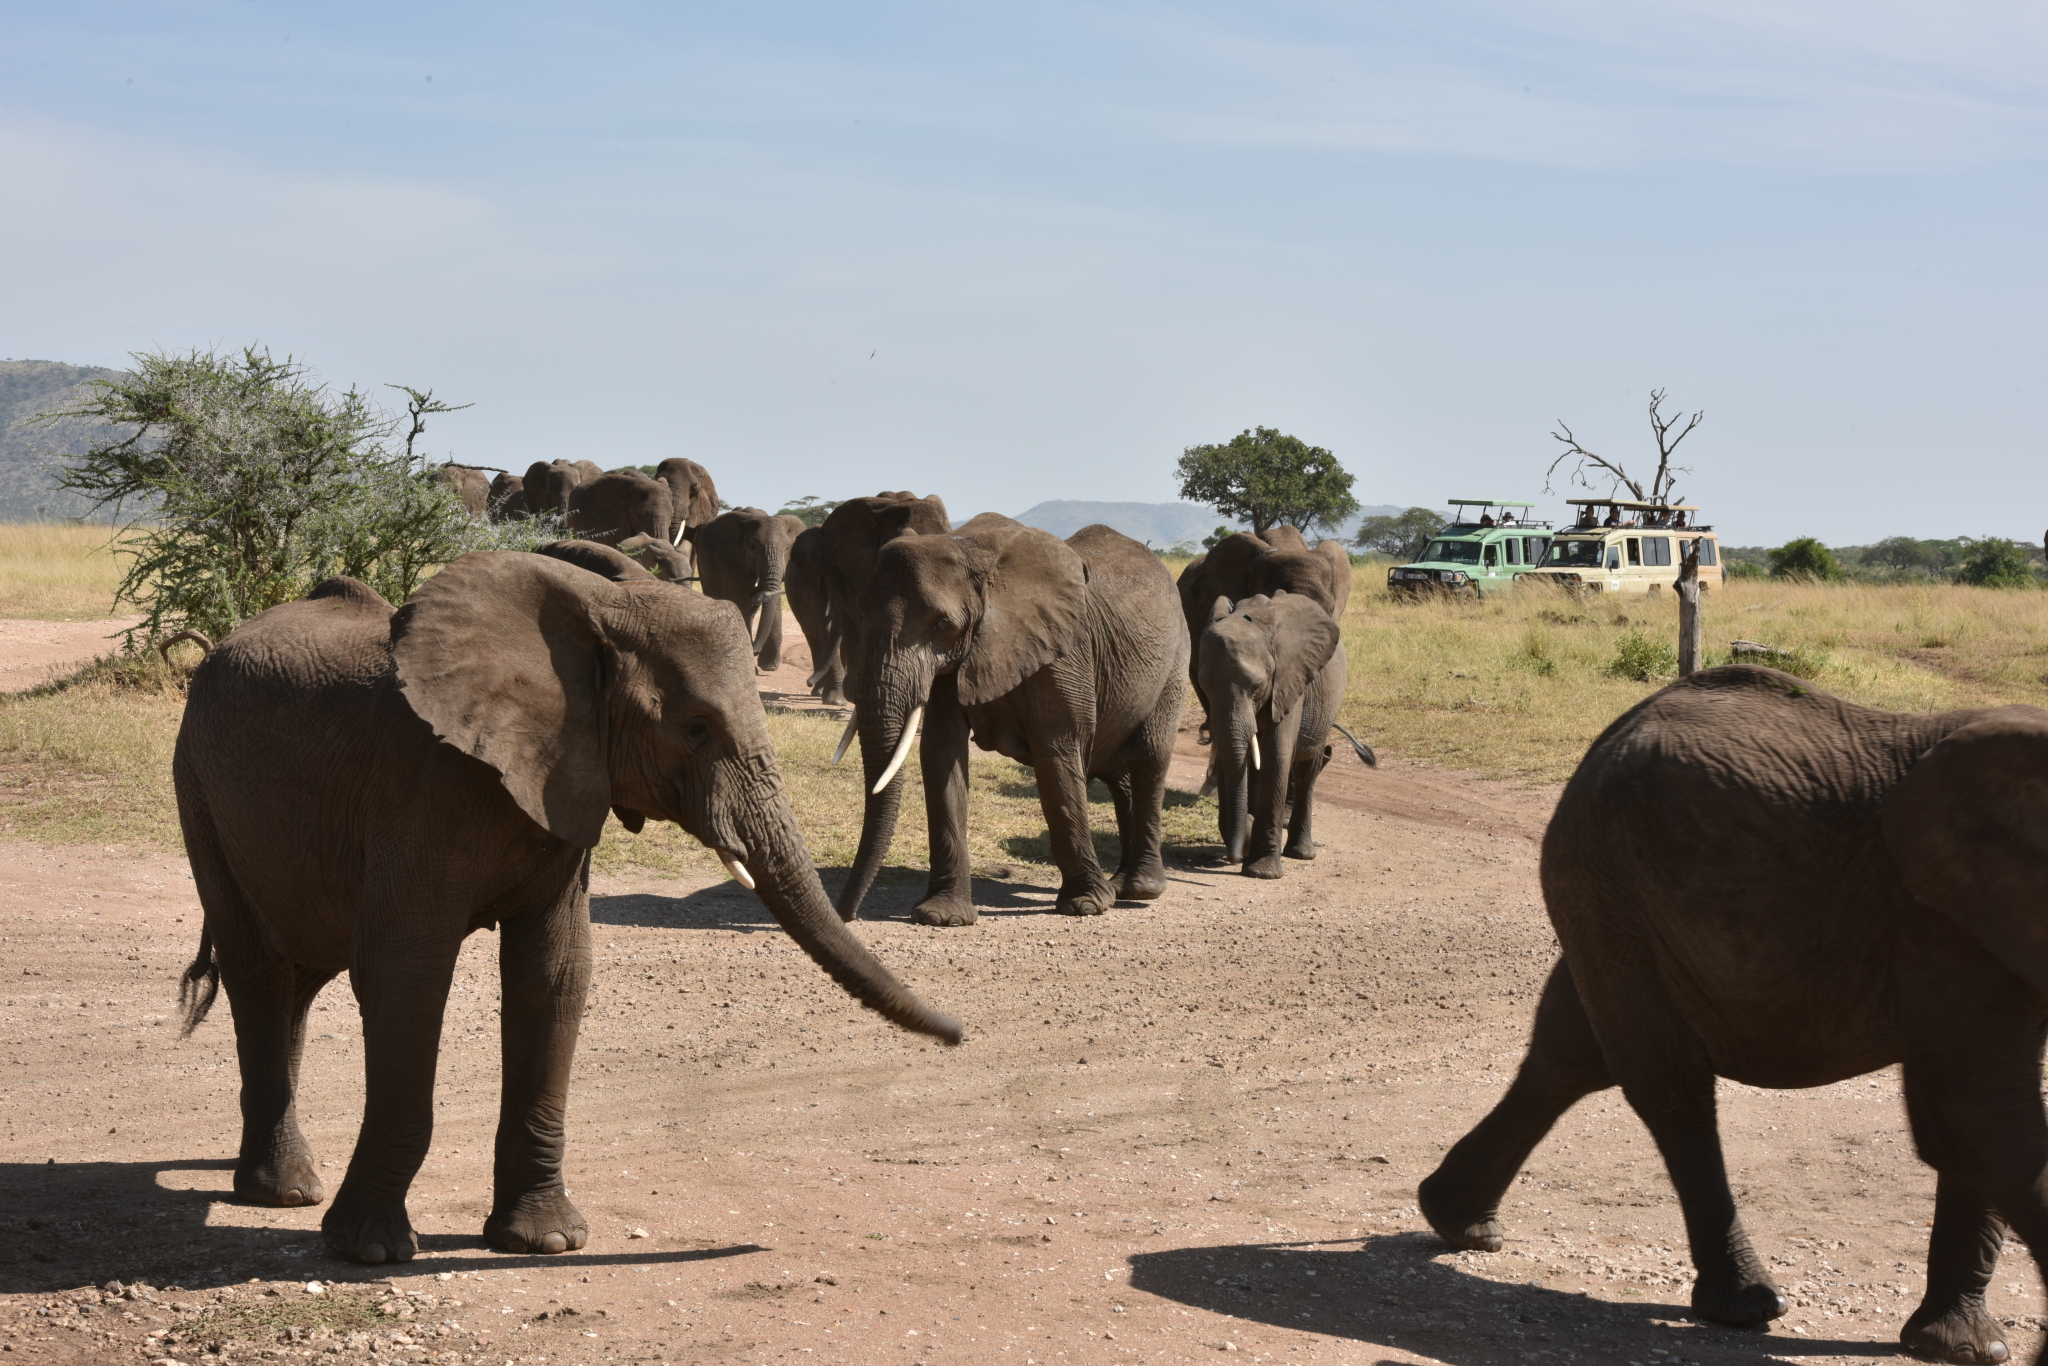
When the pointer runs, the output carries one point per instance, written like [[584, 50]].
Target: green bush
[[1643, 658], [1801, 661], [1995, 562], [245, 481], [1804, 558]]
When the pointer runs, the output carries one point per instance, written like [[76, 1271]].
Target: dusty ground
[[33, 652], [1182, 1129]]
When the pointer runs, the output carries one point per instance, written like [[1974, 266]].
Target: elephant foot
[[1147, 884], [1300, 849], [1092, 899], [1961, 1332], [1468, 1231], [943, 910], [1268, 868], [365, 1232], [832, 697], [1741, 1294], [286, 1179], [543, 1221]]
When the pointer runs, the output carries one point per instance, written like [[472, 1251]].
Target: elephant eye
[[697, 730]]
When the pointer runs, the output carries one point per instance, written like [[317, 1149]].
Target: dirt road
[[1179, 1130]]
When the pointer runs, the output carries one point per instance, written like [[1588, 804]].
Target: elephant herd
[[1748, 878]]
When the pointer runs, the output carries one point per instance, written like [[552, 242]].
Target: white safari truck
[[1626, 547]]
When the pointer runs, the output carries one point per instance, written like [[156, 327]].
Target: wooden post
[[1689, 631]]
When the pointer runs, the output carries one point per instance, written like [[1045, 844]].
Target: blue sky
[[1024, 252]]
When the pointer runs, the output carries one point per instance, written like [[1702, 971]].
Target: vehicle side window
[[1538, 547], [1614, 557], [1492, 554], [1657, 550], [1512, 549], [1707, 551], [1635, 550]]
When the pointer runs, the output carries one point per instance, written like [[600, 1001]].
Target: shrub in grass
[[1643, 658]]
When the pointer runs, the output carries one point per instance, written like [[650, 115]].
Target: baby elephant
[[1273, 675], [1754, 880]]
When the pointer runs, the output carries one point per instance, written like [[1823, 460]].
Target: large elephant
[[1243, 566], [1273, 675], [507, 502], [741, 557], [810, 601], [1067, 656], [852, 537], [471, 484], [617, 505], [548, 484], [1751, 879], [693, 497], [361, 789]]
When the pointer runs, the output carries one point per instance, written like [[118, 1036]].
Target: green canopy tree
[[1804, 558], [1266, 477], [1404, 536]]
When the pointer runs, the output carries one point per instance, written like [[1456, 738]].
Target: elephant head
[[587, 695], [1256, 662], [1244, 565], [617, 505], [671, 562], [508, 499], [693, 498], [973, 614], [742, 557], [548, 484]]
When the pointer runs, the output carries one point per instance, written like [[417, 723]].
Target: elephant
[[693, 497], [1751, 879], [360, 789], [671, 562], [810, 602], [850, 542], [1063, 655], [1242, 566], [507, 502], [741, 557], [1273, 675], [548, 484], [472, 485], [617, 505]]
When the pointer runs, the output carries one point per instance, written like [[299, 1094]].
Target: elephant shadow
[[728, 906], [87, 1223], [1176, 847], [1400, 1291]]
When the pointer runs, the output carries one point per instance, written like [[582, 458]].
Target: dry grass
[[57, 571], [1520, 684]]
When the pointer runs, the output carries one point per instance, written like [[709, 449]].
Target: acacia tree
[[244, 481], [1404, 537], [1265, 477], [1660, 489]]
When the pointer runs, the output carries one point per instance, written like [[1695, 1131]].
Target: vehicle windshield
[[1452, 552], [1577, 554]]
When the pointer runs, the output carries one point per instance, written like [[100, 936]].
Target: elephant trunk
[[1230, 754], [768, 631], [1277, 737], [787, 882], [883, 717]]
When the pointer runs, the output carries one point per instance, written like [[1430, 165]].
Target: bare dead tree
[[1661, 486]]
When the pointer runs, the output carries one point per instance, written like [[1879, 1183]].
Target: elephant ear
[[1220, 609], [1034, 596], [1304, 638], [502, 654], [1968, 827]]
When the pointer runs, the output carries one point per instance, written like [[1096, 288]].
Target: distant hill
[[28, 489], [1163, 525]]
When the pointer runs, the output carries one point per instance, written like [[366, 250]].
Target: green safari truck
[[1489, 543]]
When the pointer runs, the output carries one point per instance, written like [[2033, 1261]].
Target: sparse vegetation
[[58, 571]]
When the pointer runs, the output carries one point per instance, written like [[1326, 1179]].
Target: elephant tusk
[[681, 527], [852, 717], [902, 753], [737, 869], [760, 631], [1255, 751]]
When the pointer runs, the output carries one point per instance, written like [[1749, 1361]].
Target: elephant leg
[[543, 976], [1952, 1323], [270, 997], [401, 974], [1140, 795], [1663, 1070], [1461, 1198], [1301, 831], [942, 760], [1063, 797]]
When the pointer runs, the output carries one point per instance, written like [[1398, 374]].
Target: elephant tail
[[1360, 748], [200, 984], [163, 647]]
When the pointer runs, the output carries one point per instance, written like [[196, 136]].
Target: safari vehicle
[[1478, 553], [1632, 548]]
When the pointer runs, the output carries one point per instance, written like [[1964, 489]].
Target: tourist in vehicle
[[1678, 522], [1613, 516], [1486, 519], [1586, 517]]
